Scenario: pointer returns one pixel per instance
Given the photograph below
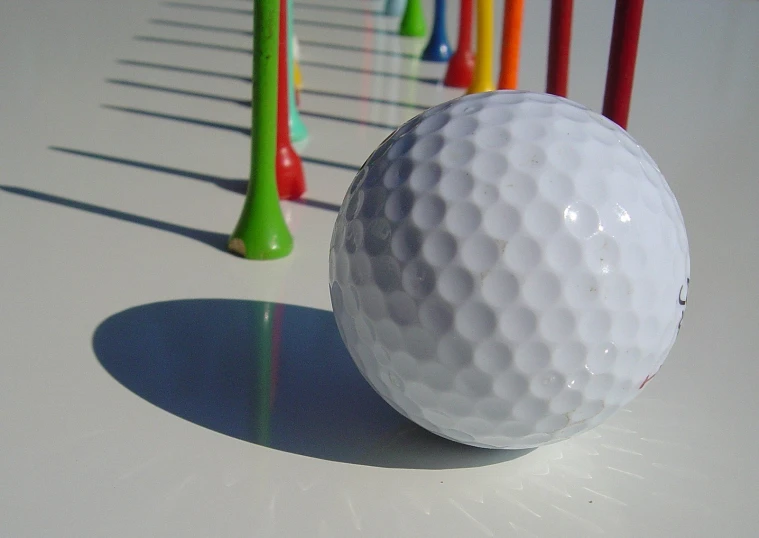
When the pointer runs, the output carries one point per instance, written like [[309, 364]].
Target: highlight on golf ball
[[508, 269]]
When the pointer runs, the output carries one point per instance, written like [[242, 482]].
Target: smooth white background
[[82, 455]]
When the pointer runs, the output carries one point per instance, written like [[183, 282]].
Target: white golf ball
[[508, 269]]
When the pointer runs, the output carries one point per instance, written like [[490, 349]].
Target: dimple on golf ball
[[508, 269]]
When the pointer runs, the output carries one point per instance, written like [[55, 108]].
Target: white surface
[[83, 455], [509, 269]]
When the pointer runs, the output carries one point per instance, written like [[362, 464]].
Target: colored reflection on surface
[[263, 360], [272, 374]]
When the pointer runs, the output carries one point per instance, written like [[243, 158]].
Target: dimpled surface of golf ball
[[508, 269]]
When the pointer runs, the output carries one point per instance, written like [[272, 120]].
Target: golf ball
[[508, 269]]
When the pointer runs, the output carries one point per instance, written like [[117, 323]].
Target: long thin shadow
[[230, 10], [248, 33], [196, 44], [317, 204], [332, 164], [213, 239], [273, 374], [362, 50], [346, 27], [184, 119], [349, 69], [235, 185], [188, 70], [204, 27], [363, 98], [237, 128], [176, 91], [326, 7], [348, 120], [243, 130], [299, 5], [238, 186], [249, 50], [246, 102]]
